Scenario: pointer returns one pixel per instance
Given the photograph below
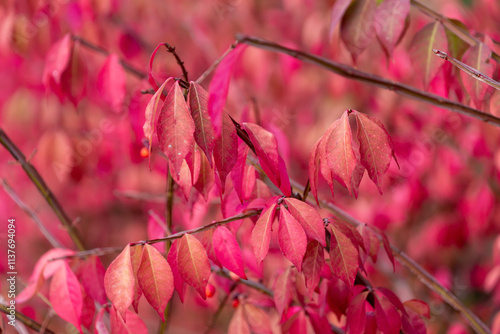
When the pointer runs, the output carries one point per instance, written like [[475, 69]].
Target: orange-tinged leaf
[[431, 36], [391, 17], [356, 27], [309, 218], [339, 152], [119, 281], [478, 57], [261, 233], [175, 128], [204, 133], [228, 251], [343, 256], [136, 259], [312, 264], [151, 114], [238, 324], [66, 296], [155, 279], [193, 264], [292, 238]]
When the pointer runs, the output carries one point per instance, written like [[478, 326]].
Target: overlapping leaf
[[204, 133], [387, 316], [283, 291], [119, 281], [175, 128], [226, 150], [261, 233], [338, 10], [136, 259], [92, 278], [228, 251], [309, 218], [193, 264], [292, 238], [356, 313], [343, 256], [206, 179], [314, 260], [238, 323], [391, 18]]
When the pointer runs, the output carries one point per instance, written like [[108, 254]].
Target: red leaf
[[296, 321], [375, 147], [314, 169], [338, 296], [312, 264], [112, 82], [356, 314], [349, 231], [478, 57], [204, 133], [372, 243], [150, 115], [56, 62], [387, 316], [261, 233], [283, 291], [338, 11], [119, 281], [391, 296], [193, 264], [309, 218], [175, 128], [242, 181], [228, 251], [339, 152], [418, 306], [391, 15], [238, 324], [219, 87], [155, 279], [356, 28], [131, 324], [66, 296], [292, 238], [156, 230], [266, 148], [226, 150], [413, 323], [206, 239], [386, 244], [136, 259], [88, 310], [343, 256], [205, 181], [257, 318], [319, 323], [430, 37], [172, 260], [92, 278]]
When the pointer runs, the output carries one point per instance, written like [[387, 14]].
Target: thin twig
[[27, 321], [426, 278], [42, 188], [171, 49], [355, 74], [126, 66], [141, 196], [53, 240]]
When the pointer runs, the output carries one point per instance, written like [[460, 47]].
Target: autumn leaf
[[283, 291], [387, 316], [314, 259], [261, 233], [314, 170], [242, 180], [175, 128], [119, 281], [338, 10], [193, 264], [357, 26], [309, 218], [391, 20], [356, 313], [91, 276], [338, 296], [205, 181], [432, 36], [155, 279], [172, 261], [56, 62], [228, 251], [204, 133], [257, 319], [66, 296], [112, 83], [292, 238], [343, 256], [238, 323], [130, 324], [226, 150], [136, 259]]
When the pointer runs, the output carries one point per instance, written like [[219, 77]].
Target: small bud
[[210, 290]]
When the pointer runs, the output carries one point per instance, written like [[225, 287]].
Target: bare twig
[[355, 74], [53, 240], [27, 321], [171, 49], [42, 188]]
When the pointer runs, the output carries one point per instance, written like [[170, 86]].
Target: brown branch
[[27, 321], [355, 74], [42, 188], [454, 28], [53, 240], [171, 49], [425, 277]]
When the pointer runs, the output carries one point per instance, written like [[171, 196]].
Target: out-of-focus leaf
[[136, 260], [283, 291], [238, 323], [257, 318], [292, 238], [56, 61], [172, 260], [130, 324], [391, 17], [356, 313], [338, 10], [338, 296], [119, 281], [387, 316], [226, 150], [314, 170], [193, 264], [92, 278], [112, 83], [357, 26]]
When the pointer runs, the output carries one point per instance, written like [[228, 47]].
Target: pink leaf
[[338, 10], [266, 148], [292, 238], [193, 264], [66, 296], [386, 244], [478, 57], [314, 170], [412, 323], [241, 180], [156, 230], [151, 79], [205, 181], [309, 218], [119, 281], [261, 233], [343, 256], [226, 150], [356, 28], [228, 251], [175, 128], [56, 62], [312, 264], [131, 324], [319, 323], [99, 324], [257, 318], [387, 316], [338, 296], [430, 37], [92, 278], [151, 114], [375, 147], [356, 314], [419, 307], [339, 152], [136, 259], [391, 16], [283, 291], [112, 82], [172, 260], [155, 279], [219, 87], [238, 323], [204, 133]]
